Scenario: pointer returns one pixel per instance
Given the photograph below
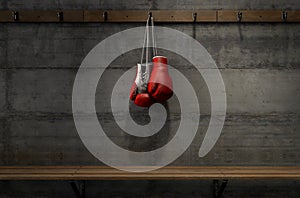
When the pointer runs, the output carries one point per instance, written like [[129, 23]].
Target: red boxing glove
[[160, 85], [138, 92], [140, 99]]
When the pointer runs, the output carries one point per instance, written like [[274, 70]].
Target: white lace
[[146, 74]]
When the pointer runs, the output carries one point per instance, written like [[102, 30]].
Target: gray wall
[[259, 63]]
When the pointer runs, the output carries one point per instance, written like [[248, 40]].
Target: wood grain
[[172, 16], [250, 16], [166, 173], [93, 16], [227, 16], [169, 16], [158, 16], [129, 16], [293, 16], [38, 16], [262, 16], [6, 16], [42, 16], [73, 16], [206, 16]]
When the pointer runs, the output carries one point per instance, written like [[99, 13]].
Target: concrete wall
[[259, 63]]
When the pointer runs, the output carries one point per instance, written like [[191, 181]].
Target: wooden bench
[[219, 174]]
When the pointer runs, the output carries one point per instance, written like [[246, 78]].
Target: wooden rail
[[183, 16], [166, 173]]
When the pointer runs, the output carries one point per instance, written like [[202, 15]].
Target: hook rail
[[168, 16]]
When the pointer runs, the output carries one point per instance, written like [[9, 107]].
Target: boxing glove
[[160, 85], [138, 92]]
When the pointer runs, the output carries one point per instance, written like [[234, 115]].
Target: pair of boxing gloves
[[159, 88]]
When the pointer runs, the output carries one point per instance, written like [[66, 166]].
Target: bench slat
[[166, 173]]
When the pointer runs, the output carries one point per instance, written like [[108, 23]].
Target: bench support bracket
[[78, 188], [219, 187]]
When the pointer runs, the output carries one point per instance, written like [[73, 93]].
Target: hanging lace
[[146, 74]]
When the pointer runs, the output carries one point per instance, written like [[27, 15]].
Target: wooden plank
[[141, 16], [38, 16], [115, 16], [166, 173], [93, 16], [206, 16], [250, 16], [227, 16], [128, 16], [159, 16], [293, 16], [42, 16], [184, 16], [73, 15], [261, 16], [172, 16], [6, 16]]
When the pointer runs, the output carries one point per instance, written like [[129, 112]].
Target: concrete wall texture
[[260, 65]]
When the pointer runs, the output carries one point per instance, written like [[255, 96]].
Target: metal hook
[[60, 16], [239, 16], [149, 16], [15, 15], [194, 16], [104, 15], [284, 16]]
